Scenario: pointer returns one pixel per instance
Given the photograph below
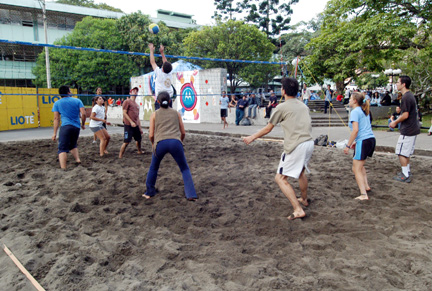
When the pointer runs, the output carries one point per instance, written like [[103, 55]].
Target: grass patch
[[426, 122]]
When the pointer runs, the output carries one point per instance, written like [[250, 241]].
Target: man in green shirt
[[293, 115]]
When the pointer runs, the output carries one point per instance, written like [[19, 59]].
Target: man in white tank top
[[163, 75]]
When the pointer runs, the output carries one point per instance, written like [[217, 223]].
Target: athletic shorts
[[364, 148], [292, 164], [130, 132], [96, 129], [405, 145], [224, 112], [68, 138]]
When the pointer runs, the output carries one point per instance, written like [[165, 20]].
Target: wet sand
[[89, 228]]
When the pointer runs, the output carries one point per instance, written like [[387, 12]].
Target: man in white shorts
[[293, 115], [409, 128]]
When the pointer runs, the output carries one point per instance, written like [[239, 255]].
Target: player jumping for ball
[[163, 76]]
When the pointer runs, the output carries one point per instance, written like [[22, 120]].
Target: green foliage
[[418, 65], [271, 16], [226, 9], [258, 75], [90, 4], [84, 69], [361, 36], [366, 81], [294, 44], [230, 40]]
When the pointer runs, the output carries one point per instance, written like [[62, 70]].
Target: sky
[[202, 10]]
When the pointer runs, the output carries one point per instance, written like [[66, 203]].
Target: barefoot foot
[[303, 202], [146, 196], [362, 197], [296, 215]]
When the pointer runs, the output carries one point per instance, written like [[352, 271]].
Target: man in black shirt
[[409, 128]]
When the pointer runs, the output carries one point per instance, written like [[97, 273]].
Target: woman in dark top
[[166, 134], [386, 100]]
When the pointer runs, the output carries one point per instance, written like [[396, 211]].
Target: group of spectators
[[378, 97], [243, 101], [118, 102]]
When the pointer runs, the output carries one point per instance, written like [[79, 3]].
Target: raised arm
[[152, 58], [162, 52]]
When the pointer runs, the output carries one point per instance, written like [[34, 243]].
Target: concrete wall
[[198, 94], [382, 111]]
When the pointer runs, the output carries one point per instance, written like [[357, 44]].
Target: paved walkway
[[386, 141]]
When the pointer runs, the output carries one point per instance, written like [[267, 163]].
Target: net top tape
[[134, 53]]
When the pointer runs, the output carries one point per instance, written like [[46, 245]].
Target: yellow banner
[[22, 108]]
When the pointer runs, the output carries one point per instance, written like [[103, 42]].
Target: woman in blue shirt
[[362, 140]]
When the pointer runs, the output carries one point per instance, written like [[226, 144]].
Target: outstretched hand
[[151, 47], [161, 49], [248, 139]]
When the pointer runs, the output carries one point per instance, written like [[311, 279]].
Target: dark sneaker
[[402, 178]]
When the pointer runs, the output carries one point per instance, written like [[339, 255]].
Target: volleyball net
[[23, 65]]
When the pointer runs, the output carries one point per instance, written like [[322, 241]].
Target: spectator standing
[[347, 96], [306, 94], [328, 99], [241, 105], [224, 101]]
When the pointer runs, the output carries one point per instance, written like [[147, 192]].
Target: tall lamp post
[[391, 72], [47, 62]]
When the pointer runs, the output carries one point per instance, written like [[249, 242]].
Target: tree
[[90, 4], [225, 9], [85, 69], [418, 65], [360, 36], [271, 16], [293, 44], [230, 40], [367, 81]]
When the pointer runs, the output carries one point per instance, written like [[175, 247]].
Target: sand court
[[89, 228]]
